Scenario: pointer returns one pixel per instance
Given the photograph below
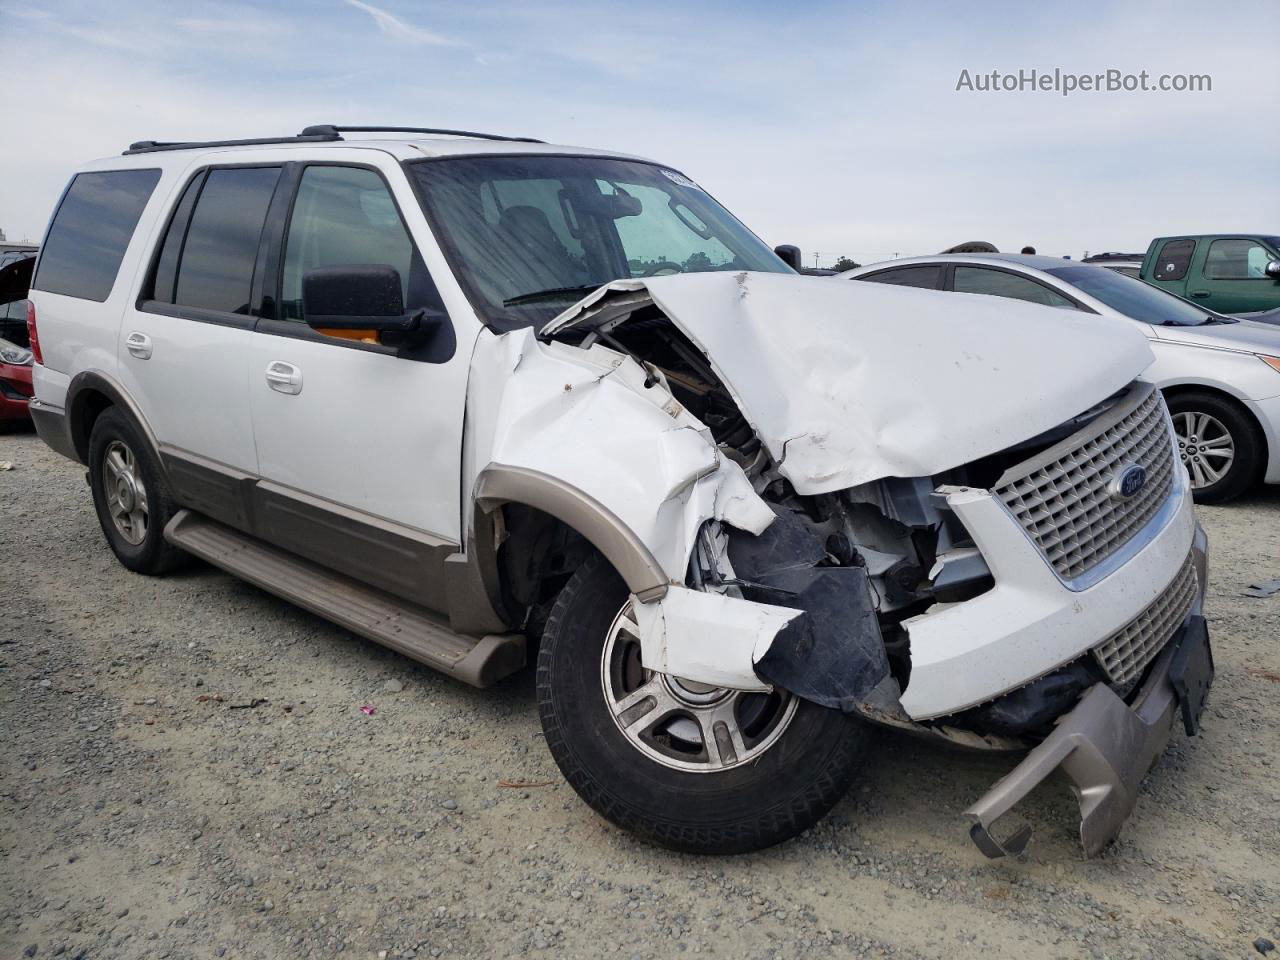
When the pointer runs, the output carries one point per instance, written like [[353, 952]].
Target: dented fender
[[590, 436]]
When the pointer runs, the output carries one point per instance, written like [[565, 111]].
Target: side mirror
[[789, 254], [1273, 270], [357, 297]]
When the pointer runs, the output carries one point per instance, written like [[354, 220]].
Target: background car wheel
[[130, 495], [685, 765], [1218, 443]]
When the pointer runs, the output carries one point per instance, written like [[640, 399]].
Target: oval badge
[[1127, 481]]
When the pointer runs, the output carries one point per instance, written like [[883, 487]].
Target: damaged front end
[[921, 579]]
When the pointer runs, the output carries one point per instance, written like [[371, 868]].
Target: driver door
[[359, 443]]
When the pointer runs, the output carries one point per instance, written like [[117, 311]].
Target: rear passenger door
[[1171, 265], [185, 344]]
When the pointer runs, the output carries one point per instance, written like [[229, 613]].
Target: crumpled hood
[[851, 382], [1251, 336]]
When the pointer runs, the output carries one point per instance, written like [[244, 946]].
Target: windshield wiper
[[554, 293]]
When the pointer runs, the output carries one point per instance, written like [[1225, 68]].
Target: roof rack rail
[[334, 129], [310, 135]]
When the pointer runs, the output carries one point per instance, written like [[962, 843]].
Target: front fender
[[591, 437]]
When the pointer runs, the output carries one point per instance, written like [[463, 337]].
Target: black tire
[[772, 798], [153, 555], [1248, 441]]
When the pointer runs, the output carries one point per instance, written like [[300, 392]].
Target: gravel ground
[[187, 773]]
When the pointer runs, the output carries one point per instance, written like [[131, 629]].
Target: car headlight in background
[[1272, 362], [20, 356]]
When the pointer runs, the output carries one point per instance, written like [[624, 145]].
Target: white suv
[[462, 394]]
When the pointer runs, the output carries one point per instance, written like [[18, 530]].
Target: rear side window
[[215, 266], [91, 231], [924, 276], [1173, 260]]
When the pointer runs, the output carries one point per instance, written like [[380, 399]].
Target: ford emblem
[[1127, 481]]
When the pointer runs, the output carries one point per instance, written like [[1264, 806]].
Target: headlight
[[12, 353], [1272, 362]]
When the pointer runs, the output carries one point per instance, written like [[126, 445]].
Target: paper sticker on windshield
[[679, 178]]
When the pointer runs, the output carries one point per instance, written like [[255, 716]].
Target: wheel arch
[[1266, 452], [1218, 393], [498, 485], [88, 395]]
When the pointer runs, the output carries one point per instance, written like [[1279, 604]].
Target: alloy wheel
[[1206, 447], [682, 724], [126, 495]]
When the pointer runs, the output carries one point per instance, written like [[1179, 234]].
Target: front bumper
[[1105, 746], [1030, 623]]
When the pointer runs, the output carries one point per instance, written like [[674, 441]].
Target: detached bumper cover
[[1105, 747]]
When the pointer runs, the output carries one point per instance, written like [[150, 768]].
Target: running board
[[404, 627]]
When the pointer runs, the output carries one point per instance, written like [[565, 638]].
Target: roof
[[401, 143]]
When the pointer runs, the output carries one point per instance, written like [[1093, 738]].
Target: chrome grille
[[1126, 653], [1061, 497]]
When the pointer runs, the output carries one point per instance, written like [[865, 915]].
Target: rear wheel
[[687, 765], [130, 495], [1218, 444]]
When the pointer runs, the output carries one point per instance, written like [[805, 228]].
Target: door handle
[[284, 377], [1198, 294], [139, 345]]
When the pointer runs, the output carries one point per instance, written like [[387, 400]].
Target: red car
[[15, 381], [15, 357]]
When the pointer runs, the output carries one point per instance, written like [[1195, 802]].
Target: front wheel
[[1218, 445], [686, 765]]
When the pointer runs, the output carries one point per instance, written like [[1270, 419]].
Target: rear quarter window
[[91, 231]]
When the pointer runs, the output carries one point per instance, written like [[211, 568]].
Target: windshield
[[1135, 298], [530, 235]]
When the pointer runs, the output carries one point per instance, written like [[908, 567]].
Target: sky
[[836, 127]]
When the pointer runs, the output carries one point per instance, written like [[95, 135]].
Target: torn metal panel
[[847, 383], [709, 637], [596, 422]]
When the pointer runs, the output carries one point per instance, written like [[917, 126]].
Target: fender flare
[[84, 384], [498, 484]]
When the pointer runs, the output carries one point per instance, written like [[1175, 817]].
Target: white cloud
[[397, 29]]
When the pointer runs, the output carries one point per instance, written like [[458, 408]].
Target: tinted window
[[91, 231], [216, 267], [343, 216], [926, 276], [1133, 298], [1236, 259], [166, 274], [997, 283], [1173, 259]]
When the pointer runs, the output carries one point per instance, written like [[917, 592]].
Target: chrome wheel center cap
[[694, 693]]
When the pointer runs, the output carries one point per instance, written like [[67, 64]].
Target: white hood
[[846, 383]]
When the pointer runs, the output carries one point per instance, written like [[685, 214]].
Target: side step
[[379, 616]]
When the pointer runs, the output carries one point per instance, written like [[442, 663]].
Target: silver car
[[1220, 375]]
